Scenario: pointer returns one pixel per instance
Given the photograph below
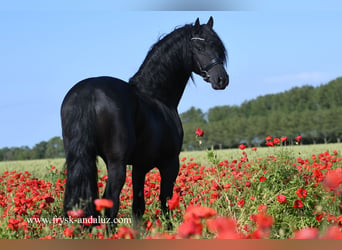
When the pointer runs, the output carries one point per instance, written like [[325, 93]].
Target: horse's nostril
[[222, 80]]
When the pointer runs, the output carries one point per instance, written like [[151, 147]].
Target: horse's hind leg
[[168, 173], [115, 182]]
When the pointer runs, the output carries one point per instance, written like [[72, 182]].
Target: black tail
[[78, 126]]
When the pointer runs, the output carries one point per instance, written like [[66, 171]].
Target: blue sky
[[46, 49]]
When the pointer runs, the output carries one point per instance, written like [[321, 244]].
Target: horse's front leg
[[138, 206], [168, 172]]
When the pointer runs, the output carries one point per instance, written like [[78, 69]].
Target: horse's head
[[209, 55]]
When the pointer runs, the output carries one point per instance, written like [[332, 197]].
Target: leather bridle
[[204, 70]]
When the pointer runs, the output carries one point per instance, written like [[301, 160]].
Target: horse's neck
[[168, 91], [164, 74]]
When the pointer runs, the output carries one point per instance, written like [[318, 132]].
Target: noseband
[[204, 71]]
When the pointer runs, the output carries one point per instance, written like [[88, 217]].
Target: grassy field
[[39, 168], [275, 192], [304, 151]]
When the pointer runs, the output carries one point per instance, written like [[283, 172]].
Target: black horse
[[136, 123]]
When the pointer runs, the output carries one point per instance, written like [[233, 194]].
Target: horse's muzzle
[[221, 82]]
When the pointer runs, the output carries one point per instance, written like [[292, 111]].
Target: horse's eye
[[200, 47]]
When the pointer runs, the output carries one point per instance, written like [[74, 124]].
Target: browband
[[198, 38]]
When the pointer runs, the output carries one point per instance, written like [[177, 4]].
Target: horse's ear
[[197, 23], [211, 22], [197, 26]]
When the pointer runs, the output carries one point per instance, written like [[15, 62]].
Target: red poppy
[[298, 204], [262, 178], [173, 202], [149, 225], [89, 221], [13, 224], [68, 232], [331, 218], [188, 228], [269, 143], [126, 233], [319, 217], [196, 212], [224, 227], [254, 148], [301, 193], [306, 233], [268, 138], [241, 202], [283, 138], [318, 175], [263, 220], [281, 198], [47, 237], [103, 203], [298, 138], [76, 213], [333, 232], [242, 146], [49, 199], [276, 141], [57, 220], [262, 208], [199, 132], [333, 179]]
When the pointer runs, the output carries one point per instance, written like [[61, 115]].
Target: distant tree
[[337, 130], [193, 115], [313, 112], [223, 113], [22, 153], [38, 151], [4, 154], [54, 148]]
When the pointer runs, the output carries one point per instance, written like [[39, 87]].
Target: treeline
[[315, 113], [312, 112], [45, 149]]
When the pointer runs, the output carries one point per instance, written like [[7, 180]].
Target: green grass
[[39, 168], [304, 151]]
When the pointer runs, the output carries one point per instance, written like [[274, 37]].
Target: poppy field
[[278, 194]]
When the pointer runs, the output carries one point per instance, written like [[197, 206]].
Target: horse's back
[[87, 87], [106, 105]]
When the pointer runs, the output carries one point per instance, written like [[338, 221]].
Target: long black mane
[[168, 62]]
